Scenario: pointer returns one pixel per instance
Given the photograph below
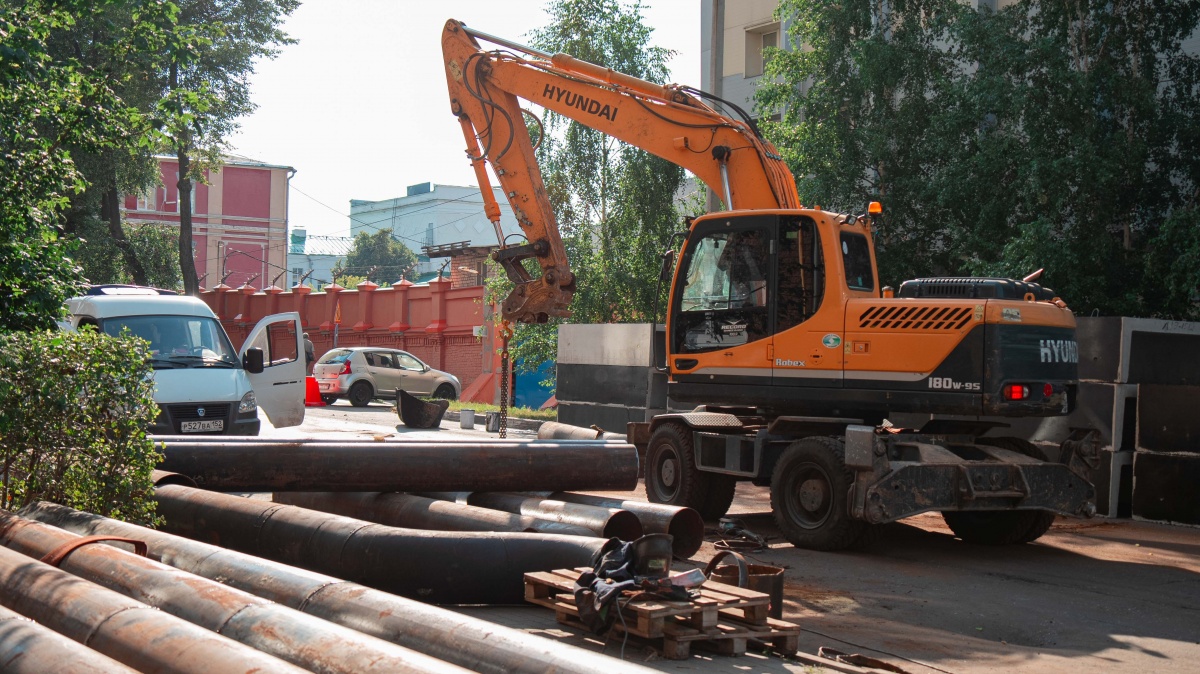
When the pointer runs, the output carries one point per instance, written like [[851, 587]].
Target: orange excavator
[[778, 329]]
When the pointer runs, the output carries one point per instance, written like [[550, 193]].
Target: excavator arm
[[669, 121]]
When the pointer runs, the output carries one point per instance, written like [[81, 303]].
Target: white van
[[201, 384]]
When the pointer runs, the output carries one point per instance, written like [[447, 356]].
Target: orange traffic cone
[[312, 393]]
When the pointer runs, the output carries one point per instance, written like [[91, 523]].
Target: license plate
[[202, 426], [323, 386]]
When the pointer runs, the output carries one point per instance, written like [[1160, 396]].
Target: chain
[[505, 334]]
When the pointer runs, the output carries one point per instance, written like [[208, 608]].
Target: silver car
[[363, 373]]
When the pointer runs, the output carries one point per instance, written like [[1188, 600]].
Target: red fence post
[[245, 290], [437, 324], [300, 303], [366, 302], [273, 292], [222, 301], [403, 314], [331, 292]]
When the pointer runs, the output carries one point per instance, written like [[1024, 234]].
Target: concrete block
[[1138, 351], [1099, 342], [1164, 487], [618, 344], [611, 418], [602, 384], [1168, 418], [1114, 484]]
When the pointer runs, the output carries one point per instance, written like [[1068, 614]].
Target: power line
[[376, 229]]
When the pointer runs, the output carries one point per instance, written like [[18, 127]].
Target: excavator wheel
[[1002, 527], [809, 492], [671, 475], [720, 496]]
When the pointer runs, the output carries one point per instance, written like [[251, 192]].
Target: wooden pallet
[[724, 617]]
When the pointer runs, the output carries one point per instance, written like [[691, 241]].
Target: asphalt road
[[375, 420], [1090, 596]]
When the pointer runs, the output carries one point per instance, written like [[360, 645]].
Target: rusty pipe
[[403, 466], [303, 640], [29, 648], [121, 628], [406, 510], [434, 566], [552, 430], [447, 635], [604, 522], [685, 525]]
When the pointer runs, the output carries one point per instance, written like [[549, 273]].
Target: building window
[[758, 40], [297, 273], [429, 235]]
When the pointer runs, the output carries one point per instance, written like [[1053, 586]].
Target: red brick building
[[239, 219]]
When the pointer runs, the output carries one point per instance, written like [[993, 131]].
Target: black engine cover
[[972, 288]]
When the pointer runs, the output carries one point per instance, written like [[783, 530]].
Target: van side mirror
[[252, 360]]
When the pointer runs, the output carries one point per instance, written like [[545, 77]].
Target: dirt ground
[[1090, 596]]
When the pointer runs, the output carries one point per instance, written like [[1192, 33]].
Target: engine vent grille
[[915, 318]]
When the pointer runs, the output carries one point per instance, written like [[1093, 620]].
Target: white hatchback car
[[364, 373]]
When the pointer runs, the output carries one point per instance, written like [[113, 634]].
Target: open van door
[[279, 388]]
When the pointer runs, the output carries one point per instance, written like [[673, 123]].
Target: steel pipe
[[409, 466], [121, 628], [406, 510], [605, 522], [28, 648], [292, 636], [685, 525], [447, 635], [435, 566], [552, 430]]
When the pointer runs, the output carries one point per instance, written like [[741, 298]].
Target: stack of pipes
[[333, 575]]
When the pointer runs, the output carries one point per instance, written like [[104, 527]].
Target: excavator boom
[[668, 121]]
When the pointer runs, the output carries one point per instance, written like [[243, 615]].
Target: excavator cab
[[743, 278]]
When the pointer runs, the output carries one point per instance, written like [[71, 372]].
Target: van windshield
[[178, 341]]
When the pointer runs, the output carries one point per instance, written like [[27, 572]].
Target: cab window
[[801, 275], [724, 301], [856, 258]]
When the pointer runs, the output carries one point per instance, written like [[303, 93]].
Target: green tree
[[154, 245], [1093, 173], [74, 405], [204, 83], [378, 257], [859, 105], [101, 40], [1046, 135], [51, 104], [614, 202]]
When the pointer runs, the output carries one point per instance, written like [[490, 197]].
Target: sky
[[359, 106]]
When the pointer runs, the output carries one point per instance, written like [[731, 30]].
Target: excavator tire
[[1042, 518], [1002, 527], [671, 474], [809, 491], [720, 496]]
